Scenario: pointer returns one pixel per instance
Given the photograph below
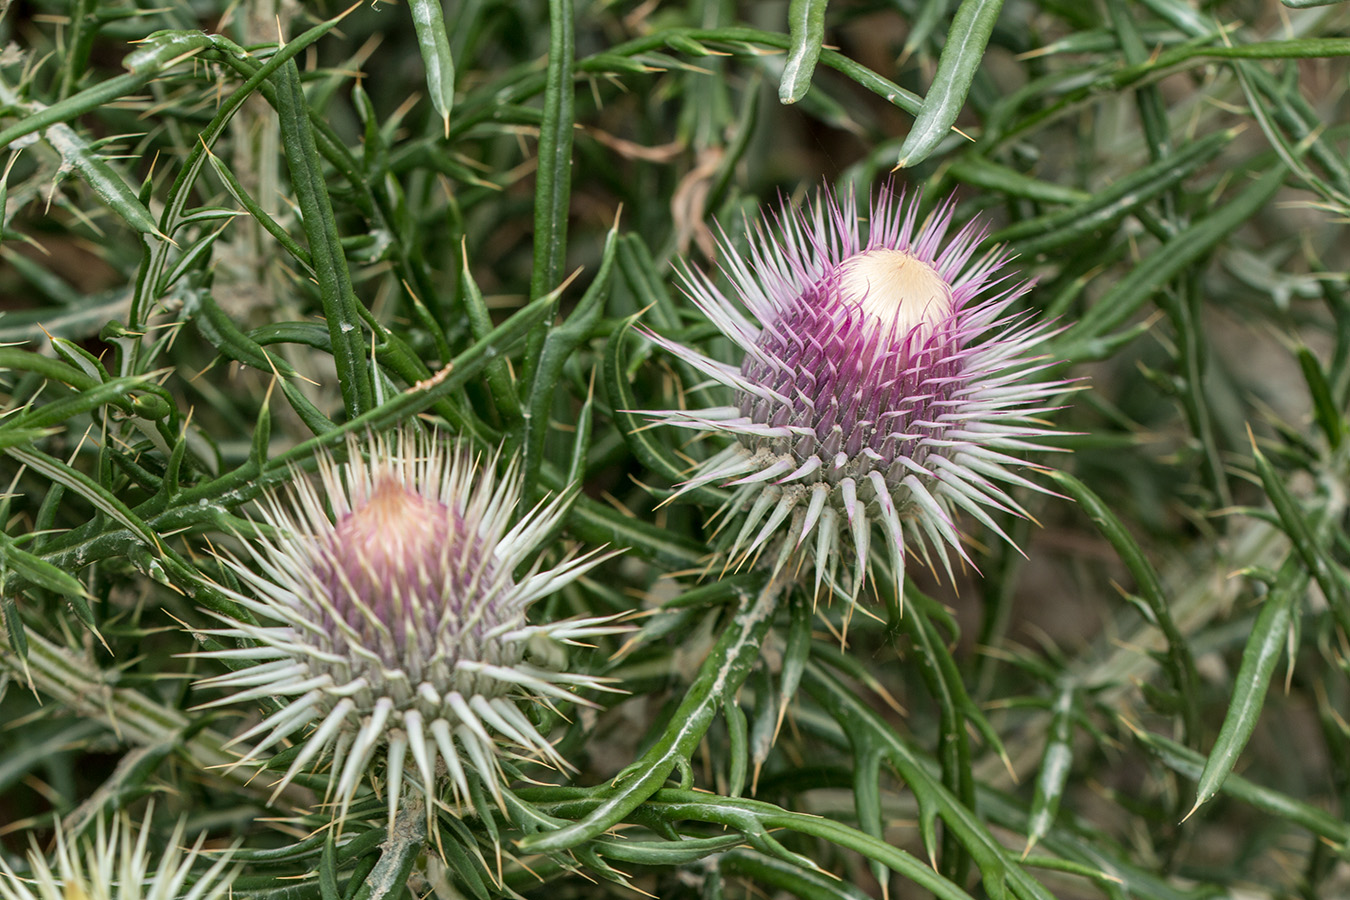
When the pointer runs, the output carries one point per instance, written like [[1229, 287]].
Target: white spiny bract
[[400, 627], [116, 864], [882, 382]]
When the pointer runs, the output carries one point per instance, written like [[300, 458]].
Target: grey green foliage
[[220, 254]]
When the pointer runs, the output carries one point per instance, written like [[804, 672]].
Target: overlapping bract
[[883, 382], [400, 627], [117, 864]]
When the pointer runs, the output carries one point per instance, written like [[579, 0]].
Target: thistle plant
[[364, 370], [882, 382], [117, 862], [400, 624]]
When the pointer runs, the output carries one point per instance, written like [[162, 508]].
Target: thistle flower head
[[393, 631], [115, 865], [882, 386]]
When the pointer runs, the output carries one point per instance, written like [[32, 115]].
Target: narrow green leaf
[[1269, 636], [867, 760], [161, 49], [1055, 229], [921, 26], [997, 866], [11, 436], [340, 306], [1306, 540], [943, 682], [429, 23], [115, 392], [1056, 763], [1280, 806], [1328, 417], [328, 886], [757, 819], [642, 440], [1181, 662], [89, 489], [795, 654], [38, 571], [553, 180], [561, 342], [961, 56], [806, 28], [665, 853], [79, 157], [261, 443], [1114, 307], [195, 256], [738, 745], [721, 674], [786, 877], [219, 329], [972, 168], [639, 271], [18, 637], [254, 209], [498, 375], [581, 441]]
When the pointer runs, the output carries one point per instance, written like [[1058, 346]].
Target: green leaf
[[1275, 804], [39, 572], [429, 23], [500, 383], [787, 877], [561, 342], [721, 674], [340, 306], [1306, 539], [806, 28], [997, 867], [1047, 232], [254, 209], [1180, 660], [553, 180], [641, 438], [328, 886], [79, 157], [961, 57], [1056, 763], [1328, 417], [1177, 255], [1269, 636], [979, 171]]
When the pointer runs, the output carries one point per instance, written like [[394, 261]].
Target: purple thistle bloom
[[400, 626], [883, 382]]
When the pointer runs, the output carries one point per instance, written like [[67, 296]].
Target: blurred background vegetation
[[221, 252]]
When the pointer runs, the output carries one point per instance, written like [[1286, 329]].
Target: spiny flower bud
[[116, 865], [401, 625], [877, 386]]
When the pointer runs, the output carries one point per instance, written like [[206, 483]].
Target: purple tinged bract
[[883, 385]]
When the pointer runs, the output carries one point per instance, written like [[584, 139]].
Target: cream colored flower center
[[393, 522], [896, 289]]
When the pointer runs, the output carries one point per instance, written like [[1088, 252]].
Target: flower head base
[[400, 625], [115, 865], [882, 383]]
